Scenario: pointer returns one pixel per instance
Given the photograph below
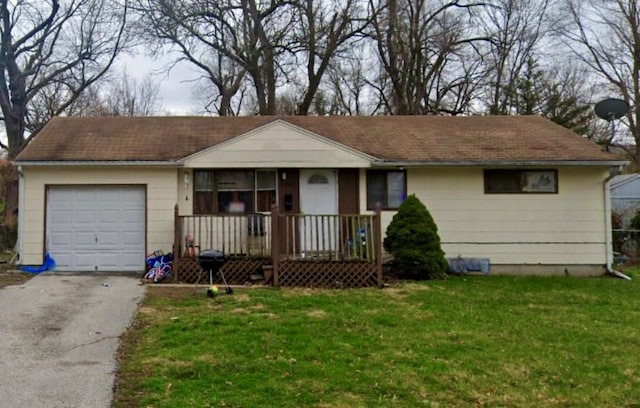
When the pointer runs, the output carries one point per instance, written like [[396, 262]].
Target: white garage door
[[98, 228]]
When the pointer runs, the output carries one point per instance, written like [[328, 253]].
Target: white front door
[[96, 228], [319, 196]]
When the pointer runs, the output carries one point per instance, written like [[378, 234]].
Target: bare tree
[[419, 43], [458, 84], [89, 103], [198, 32], [516, 29], [51, 51], [605, 35], [126, 96], [348, 88], [226, 40], [118, 95], [325, 31]]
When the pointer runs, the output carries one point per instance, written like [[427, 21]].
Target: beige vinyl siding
[[563, 228], [278, 145], [161, 192]]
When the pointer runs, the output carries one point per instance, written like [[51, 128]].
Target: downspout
[[608, 231], [21, 215]]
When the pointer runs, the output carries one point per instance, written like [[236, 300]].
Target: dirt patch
[[170, 292], [129, 339], [13, 278], [317, 314], [242, 297]]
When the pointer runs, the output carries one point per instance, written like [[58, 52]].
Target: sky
[[175, 89]]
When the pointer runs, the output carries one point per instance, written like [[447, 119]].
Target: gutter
[[43, 163], [506, 163]]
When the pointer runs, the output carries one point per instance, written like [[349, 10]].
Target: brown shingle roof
[[391, 138]]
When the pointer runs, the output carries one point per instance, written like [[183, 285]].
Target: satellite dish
[[611, 108]]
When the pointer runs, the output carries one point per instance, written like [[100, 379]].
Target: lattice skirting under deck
[[237, 271], [327, 274]]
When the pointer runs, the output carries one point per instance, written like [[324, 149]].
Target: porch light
[[186, 185]]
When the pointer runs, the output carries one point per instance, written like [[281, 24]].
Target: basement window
[[510, 181]]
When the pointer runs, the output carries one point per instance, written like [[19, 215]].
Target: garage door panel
[[63, 258], [97, 227], [61, 217], [61, 195], [112, 239], [84, 198], [128, 258], [83, 261], [84, 216], [110, 261], [86, 239], [110, 197], [61, 238], [109, 216], [133, 198], [132, 215], [113, 226]]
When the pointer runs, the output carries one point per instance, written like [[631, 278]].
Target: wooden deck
[[282, 250]]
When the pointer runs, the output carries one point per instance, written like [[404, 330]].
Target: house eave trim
[[506, 163], [119, 163]]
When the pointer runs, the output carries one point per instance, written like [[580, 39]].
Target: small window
[[318, 179], [266, 180], [203, 189], [389, 188], [235, 180], [506, 181], [235, 190], [266, 190], [203, 180]]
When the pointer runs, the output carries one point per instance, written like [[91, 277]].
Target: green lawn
[[484, 341]]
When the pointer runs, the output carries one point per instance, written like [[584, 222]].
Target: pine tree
[[554, 96], [413, 240]]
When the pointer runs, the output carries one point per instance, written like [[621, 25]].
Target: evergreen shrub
[[412, 238]]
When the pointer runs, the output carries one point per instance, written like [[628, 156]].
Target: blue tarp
[[464, 265], [48, 264]]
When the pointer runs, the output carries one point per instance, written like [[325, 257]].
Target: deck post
[[378, 242], [275, 243], [177, 232]]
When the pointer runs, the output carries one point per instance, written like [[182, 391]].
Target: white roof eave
[[505, 163], [146, 163]]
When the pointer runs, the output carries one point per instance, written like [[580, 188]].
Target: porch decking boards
[[336, 251]]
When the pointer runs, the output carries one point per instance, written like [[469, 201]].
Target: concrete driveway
[[58, 338]]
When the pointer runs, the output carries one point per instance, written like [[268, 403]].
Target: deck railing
[[233, 234], [350, 245], [327, 237]]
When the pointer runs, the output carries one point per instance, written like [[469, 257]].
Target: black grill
[[212, 259]]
